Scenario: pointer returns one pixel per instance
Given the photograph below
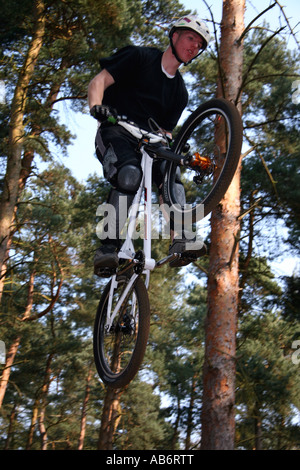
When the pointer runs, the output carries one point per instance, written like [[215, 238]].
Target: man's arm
[[98, 86]]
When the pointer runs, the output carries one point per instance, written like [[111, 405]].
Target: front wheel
[[212, 139], [119, 346]]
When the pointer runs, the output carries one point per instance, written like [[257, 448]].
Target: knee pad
[[179, 193], [179, 188], [129, 178], [110, 229]]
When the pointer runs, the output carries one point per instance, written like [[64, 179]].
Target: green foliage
[[146, 429], [267, 383]]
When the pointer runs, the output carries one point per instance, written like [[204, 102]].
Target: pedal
[[104, 272], [188, 256], [183, 260]]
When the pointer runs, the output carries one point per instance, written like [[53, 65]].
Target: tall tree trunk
[[26, 167], [16, 133], [257, 427], [84, 411], [175, 436], [10, 357], [10, 431], [190, 413], [34, 418], [110, 418], [43, 402], [218, 413], [13, 349], [39, 408]]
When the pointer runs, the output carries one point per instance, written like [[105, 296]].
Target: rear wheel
[[212, 137], [119, 348]]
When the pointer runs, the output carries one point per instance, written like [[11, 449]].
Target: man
[[141, 83]]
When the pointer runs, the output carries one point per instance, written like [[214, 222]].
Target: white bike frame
[[127, 250]]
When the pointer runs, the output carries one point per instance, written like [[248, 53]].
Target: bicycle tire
[[119, 352], [198, 127]]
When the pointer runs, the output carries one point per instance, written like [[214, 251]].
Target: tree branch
[[288, 23], [254, 60], [217, 45], [248, 27], [54, 296], [64, 98]]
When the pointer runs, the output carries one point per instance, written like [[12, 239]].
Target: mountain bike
[[202, 159]]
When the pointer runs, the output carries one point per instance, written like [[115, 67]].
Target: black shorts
[[123, 143], [116, 147]]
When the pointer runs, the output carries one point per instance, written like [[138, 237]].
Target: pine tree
[[218, 417], [48, 59]]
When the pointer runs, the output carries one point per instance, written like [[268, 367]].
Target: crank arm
[[167, 259]]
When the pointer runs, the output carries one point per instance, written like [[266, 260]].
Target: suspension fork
[[114, 284], [149, 261]]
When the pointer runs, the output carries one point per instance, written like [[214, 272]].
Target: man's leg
[[183, 240], [116, 150], [120, 199]]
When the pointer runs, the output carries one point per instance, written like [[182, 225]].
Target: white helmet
[[193, 23]]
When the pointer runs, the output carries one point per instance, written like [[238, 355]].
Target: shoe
[[106, 260], [189, 251]]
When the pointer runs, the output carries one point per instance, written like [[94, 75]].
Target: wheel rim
[[203, 135]]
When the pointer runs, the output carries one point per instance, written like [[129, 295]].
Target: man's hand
[[102, 112]]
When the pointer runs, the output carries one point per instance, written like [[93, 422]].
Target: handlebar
[[137, 131], [162, 151]]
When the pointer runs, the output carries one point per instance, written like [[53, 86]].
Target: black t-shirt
[[142, 90]]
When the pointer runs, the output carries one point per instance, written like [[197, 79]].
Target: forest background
[[50, 395]]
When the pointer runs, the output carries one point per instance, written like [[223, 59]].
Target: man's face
[[188, 44]]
